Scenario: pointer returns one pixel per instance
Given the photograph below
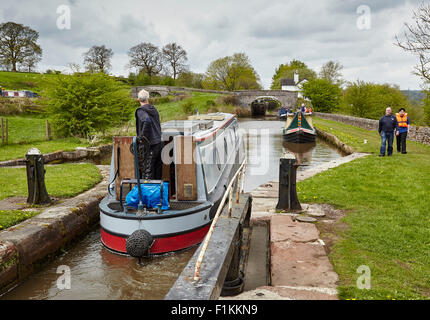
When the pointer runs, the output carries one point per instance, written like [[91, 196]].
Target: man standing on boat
[[387, 126], [148, 125]]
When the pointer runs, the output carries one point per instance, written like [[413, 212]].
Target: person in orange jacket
[[402, 130]]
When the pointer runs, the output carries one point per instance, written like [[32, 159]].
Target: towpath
[[299, 265]]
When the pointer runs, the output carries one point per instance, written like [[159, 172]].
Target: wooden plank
[[126, 162], [186, 173], [207, 117]]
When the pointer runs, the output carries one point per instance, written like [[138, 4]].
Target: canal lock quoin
[[97, 273]]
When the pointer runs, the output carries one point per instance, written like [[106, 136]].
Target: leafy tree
[[18, 46], [147, 58], [416, 40], [190, 79], [331, 71], [84, 103], [97, 59], [325, 96], [288, 70], [175, 57], [427, 108], [369, 100], [231, 73]]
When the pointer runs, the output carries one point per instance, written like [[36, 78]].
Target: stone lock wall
[[419, 134]]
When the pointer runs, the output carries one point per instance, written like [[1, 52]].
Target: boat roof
[[201, 126]]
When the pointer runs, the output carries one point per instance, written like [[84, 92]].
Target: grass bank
[[62, 181], [387, 222]]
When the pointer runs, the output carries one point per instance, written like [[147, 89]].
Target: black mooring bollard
[[35, 163], [288, 199]]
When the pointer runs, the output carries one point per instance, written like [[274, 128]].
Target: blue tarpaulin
[[151, 196]]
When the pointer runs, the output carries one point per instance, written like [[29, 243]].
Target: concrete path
[[299, 266]]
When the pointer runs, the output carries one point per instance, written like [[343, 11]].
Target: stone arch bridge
[[245, 97]]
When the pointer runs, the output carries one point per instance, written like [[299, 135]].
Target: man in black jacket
[[148, 125], [387, 126]]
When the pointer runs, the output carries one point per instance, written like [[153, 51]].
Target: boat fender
[[139, 243]]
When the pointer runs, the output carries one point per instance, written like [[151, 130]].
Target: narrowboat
[[200, 157], [299, 128]]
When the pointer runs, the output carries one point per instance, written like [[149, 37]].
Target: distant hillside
[[414, 95]]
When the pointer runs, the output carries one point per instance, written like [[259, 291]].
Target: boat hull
[[161, 245], [299, 135]]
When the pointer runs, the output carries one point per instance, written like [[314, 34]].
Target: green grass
[[63, 181], [18, 151], [173, 110], [355, 137], [387, 212], [25, 81], [9, 218], [25, 129]]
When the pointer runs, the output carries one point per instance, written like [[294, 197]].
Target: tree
[[331, 71], [288, 70], [190, 79], [369, 100], [325, 96], [416, 40], [231, 73], [175, 57], [86, 103], [18, 45], [147, 58], [426, 108], [97, 59]]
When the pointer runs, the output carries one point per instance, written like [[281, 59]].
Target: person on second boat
[[387, 126], [148, 125], [402, 132]]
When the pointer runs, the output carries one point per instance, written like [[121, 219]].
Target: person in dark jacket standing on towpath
[[148, 125], [387, 126]]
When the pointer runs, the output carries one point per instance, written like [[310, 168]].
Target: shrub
[[84, 104], [188, 107], [231, 100]]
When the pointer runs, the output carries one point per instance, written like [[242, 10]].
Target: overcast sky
[[270, 32]]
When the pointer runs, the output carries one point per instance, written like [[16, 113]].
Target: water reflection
[[265, 146], [302, 151]]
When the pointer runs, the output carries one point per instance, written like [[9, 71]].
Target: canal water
[[96, 273]]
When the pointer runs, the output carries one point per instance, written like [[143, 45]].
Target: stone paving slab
[[301, 264], [283, 228]]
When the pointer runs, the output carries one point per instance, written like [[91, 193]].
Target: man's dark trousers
[[387, 138], [401, 142], [156, 162]]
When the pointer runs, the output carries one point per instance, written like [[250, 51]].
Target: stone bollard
[[37, 193], [288, 199]]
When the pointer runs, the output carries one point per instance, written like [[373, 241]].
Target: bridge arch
[[262, 104], [286, 98]]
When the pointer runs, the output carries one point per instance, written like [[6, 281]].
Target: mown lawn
[[173, 110], [9, 218], [25, 129], [18, 151], [387, 213], [64, 180]]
